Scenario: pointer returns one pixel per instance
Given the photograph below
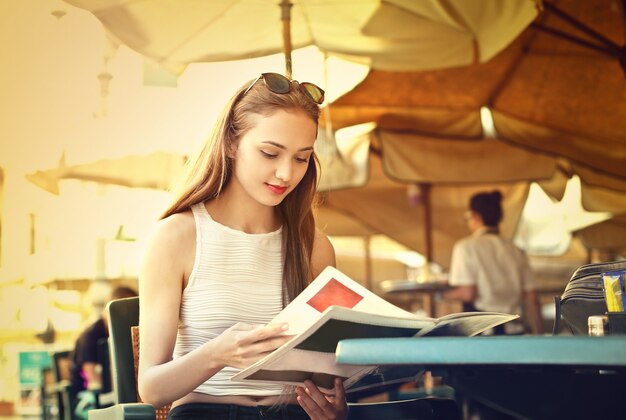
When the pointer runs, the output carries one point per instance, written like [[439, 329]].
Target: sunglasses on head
[[278, 83]]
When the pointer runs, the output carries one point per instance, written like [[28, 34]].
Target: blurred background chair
[[56, 389]]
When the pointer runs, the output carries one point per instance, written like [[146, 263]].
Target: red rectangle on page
[[334, 293]]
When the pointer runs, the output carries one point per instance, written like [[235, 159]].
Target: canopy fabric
[[603, 155], [387, 206], [390, 35], [157, 170], [567, 99], [445, 101], [541, 102], [608, 235], [330, 219], [415, 158]]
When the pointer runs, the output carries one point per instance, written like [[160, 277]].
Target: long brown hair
[[209, 173]]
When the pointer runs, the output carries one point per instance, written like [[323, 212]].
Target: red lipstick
[[278, 190]]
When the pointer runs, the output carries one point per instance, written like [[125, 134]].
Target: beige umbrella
[[565, 97], [156, 170], [392, 34]]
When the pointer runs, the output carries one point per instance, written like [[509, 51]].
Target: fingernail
[[284, 327]]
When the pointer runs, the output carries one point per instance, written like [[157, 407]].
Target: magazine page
[[332, 287], [315, 348], [466, 324]]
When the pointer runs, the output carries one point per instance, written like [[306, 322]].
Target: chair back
[[102, 350], [61, 362], [56, 390], [123, 314]]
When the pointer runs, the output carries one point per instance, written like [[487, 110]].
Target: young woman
[[238, 243]]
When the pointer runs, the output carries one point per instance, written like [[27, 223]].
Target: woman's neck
[[244, 215]]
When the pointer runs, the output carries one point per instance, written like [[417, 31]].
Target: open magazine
[[333, 308]]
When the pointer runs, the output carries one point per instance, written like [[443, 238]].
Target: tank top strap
[[202, 219], [199, 212]]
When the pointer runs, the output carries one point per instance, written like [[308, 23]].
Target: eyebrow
[[280, 146]]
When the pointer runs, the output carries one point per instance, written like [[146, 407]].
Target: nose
[[284, 170]]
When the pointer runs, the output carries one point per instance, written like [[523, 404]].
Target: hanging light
[[486, 120]]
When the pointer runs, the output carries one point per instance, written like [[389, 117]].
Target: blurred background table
[[426, 290]]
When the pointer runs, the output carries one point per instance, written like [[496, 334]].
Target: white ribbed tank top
[[236, 277]]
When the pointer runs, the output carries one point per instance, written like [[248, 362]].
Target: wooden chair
[[161, 412], [124, 315]]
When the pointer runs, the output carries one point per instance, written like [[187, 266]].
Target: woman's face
[[273, 156]]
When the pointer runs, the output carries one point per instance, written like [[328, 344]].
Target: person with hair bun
[[238, 243], [489, 273]]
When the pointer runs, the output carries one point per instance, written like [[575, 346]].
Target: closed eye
[[268, 155], [302, 160]]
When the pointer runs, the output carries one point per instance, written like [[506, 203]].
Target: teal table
[[534, 377]]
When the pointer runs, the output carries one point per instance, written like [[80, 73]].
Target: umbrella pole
[[428, 240], [285, 17], [368, 262]]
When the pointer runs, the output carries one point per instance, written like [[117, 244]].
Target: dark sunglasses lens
[[316, 93], [277, 83]]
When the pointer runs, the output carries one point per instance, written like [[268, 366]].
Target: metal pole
[[368, 262], [285, 16], [428, 240]]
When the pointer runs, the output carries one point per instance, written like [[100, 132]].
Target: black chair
[[104, 397], [56, 388], [124, 314]]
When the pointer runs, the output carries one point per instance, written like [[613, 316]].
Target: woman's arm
[[169, 253], [167, 264], [466, 294]]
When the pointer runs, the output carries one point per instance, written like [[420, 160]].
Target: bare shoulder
[[175, 228], [323, 253], [173, 239]]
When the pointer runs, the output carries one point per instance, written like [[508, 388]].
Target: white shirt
[[498, 269]]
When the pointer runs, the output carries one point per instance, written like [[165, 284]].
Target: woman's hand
[[320, 406], [243, 344]]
